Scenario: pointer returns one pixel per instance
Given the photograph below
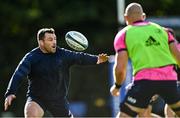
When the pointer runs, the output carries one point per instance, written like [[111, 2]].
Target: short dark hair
[[41, 32]]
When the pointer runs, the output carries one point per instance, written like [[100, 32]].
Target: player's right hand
[[102, 58], [114, 91], [8, 101]]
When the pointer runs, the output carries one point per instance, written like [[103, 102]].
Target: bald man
[[154, 55]]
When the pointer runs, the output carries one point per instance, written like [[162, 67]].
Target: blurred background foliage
[[96, 19]]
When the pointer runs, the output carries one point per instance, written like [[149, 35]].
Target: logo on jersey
[[151, 41], [132, 100]]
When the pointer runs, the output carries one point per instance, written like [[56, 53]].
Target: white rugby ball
[[76, 40]]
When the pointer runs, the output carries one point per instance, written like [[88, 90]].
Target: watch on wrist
[[118, 86]]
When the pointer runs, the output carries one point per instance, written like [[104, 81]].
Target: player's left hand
[[114, 91], [102, 58]]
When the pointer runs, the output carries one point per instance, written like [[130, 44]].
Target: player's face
[[49, 43]]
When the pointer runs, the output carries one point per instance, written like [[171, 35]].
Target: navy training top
[[47, 73]]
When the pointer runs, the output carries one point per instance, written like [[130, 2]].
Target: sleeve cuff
[[122, 49]]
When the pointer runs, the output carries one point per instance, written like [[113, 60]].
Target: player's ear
[[126, 18], [144, 16], [41, 42]]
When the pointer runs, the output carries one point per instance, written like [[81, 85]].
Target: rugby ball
[[76, 40]]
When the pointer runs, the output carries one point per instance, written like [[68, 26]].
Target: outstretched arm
[[82, 58]]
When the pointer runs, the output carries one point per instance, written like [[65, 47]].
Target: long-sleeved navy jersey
[[47, 73]]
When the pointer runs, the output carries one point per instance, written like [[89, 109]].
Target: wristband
[[117, 86]]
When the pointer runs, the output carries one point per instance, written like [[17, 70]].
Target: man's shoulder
[[33, 52], [63, 50], [121, 33], [123, 30], [66, 53], [157, 25]]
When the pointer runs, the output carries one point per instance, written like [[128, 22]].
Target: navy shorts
[[57, 108], [142, 91]]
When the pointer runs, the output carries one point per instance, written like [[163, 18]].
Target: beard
[[50, 49]]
